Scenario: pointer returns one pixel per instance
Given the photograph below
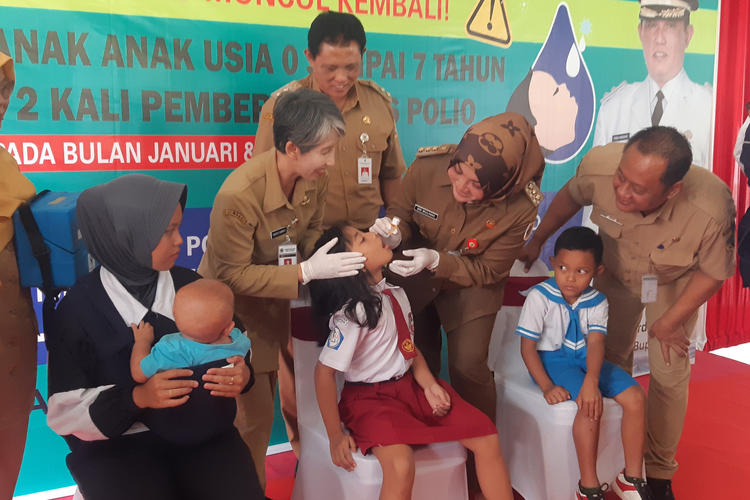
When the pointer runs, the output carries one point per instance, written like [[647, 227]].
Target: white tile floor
[[738, 353]]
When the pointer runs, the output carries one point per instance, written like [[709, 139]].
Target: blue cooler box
[[55, 214]]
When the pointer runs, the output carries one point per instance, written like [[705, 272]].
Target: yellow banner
[[603, 23]]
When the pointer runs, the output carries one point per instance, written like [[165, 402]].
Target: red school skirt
[[397, 412]]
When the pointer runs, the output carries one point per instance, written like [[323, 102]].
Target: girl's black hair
[[330, 296]]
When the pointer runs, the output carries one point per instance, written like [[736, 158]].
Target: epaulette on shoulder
[[608, 95], [711, 194], [380, 90], [436, 150], [289, 87]]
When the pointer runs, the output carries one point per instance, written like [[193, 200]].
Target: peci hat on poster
[[672, 10]]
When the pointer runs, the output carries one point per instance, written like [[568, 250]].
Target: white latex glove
[[424, 258], [382, 228], [323, 266]]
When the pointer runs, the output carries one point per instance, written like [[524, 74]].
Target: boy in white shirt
[[563, 326]]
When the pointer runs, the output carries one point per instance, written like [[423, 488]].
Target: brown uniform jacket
[[242, 253], [14, 187], [693, 230], [367, 111], [14, 190], [472, 280]]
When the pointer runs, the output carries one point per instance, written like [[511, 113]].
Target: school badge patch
[[407, 346], [335, 339]]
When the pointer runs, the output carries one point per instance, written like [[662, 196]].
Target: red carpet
[[714, 453]]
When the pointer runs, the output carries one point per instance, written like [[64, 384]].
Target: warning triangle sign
[[489, 23]]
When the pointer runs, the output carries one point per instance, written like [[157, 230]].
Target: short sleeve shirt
[[176, 351], [546, 322], [693, 230], [366, 355]]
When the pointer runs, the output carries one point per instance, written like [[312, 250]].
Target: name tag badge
[[621, 137], [287, 254], [649, 284], [279, 232], [427, 213], [364, 168]]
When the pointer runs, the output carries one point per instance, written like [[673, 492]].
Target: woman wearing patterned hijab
[[474, 205], [131, 227]]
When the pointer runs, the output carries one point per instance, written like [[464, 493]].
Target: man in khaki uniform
[[18, 327], [274, 200], [336, 42], [358, 186], [668, 231]]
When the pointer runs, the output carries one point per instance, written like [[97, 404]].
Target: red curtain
[[728, 316]]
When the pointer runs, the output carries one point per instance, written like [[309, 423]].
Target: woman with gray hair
[[266, 218]]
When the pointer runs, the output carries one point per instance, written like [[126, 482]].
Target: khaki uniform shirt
[[242, 253], [693, 230], [14, 187], [473, 278], [369, 111], [14, 190]]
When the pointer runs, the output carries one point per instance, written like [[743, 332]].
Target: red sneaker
[[637, 490]]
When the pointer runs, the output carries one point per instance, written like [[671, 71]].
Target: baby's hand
[[556, 394], [143, 332], [439, 400]]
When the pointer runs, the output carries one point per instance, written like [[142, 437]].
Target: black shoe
[[598, 495], [661, 489]]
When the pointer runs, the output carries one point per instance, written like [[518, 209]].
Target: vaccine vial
[[394, 225]]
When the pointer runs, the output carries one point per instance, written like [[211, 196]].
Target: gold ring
[[231, 381]]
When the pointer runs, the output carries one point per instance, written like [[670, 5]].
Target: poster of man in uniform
[[667, 96]]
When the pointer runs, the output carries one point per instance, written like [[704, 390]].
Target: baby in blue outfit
[[203, 311]]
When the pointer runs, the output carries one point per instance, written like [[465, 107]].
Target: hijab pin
[[676, 240], [364, 137], [305, 200], [366, 120], [490, 224], [472, 243]]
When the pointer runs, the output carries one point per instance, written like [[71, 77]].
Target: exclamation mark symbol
[[492, 10]]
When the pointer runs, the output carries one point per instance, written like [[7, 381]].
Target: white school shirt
[[365, 355], [546, 322]]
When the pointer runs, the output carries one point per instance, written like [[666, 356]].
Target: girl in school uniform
[[391, 400]]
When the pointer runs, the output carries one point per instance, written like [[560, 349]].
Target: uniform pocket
[[606, 226], [671, 260]]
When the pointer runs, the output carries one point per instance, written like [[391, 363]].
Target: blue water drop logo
[[557, 95]]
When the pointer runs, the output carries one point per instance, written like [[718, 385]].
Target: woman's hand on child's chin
[[160, 391], [228, 382], [557, 394], [439, 400], [342, 447]]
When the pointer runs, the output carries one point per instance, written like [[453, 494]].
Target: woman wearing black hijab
[[131, 227], [471, 206]]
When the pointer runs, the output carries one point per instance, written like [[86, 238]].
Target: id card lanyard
[[364, 162], [288, 250]]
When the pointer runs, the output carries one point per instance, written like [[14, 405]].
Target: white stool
[[537, 438], [440, 468]]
